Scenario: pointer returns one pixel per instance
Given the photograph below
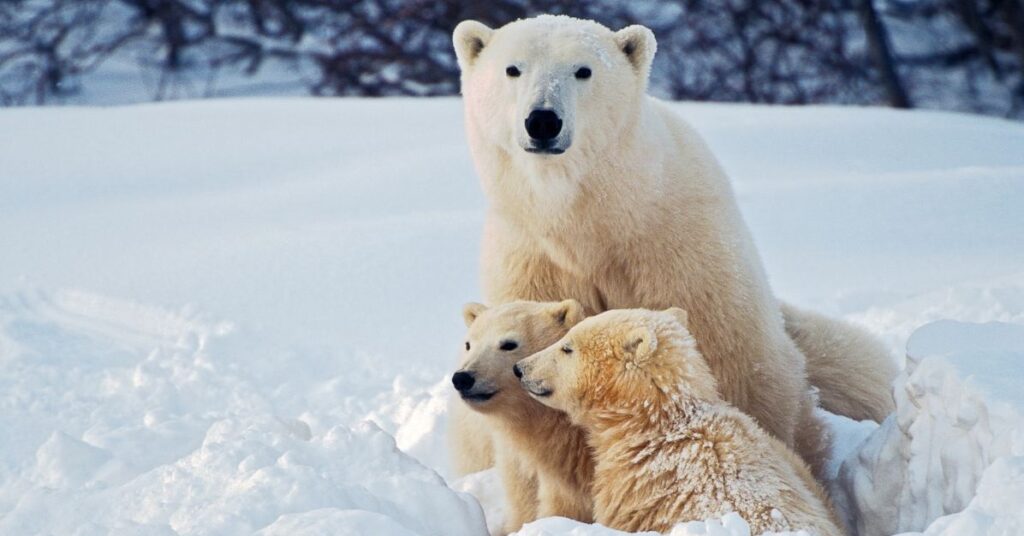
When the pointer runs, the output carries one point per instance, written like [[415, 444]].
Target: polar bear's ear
[[638, 44], [472, 310], [640, 343], [470, 37], [681, 315], [568, 313]]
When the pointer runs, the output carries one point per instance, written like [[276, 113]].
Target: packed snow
[[239, 316]]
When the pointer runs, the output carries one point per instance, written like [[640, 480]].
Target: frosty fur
[[543, 459], [668, 449], [638, 213]]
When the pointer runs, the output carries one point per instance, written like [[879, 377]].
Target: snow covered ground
[[203, 303]]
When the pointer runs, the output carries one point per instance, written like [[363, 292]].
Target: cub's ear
[[472, 310], [567, 313], [681, 315], [470, 37], [641, 343], [639, 45]]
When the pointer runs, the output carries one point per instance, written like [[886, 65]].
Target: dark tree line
[[954, 54]]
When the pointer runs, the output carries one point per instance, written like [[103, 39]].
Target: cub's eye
[[467, 345], [566, 349], [583, 73], [508, 346], [512, 71]]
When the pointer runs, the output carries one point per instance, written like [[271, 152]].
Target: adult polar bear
[[601, 193]]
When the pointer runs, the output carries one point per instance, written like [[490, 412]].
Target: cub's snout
[[463, 381], [532, 382], [470, 389]]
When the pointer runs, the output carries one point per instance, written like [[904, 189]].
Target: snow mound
[[256, 473], [144, 426], [988, 355], [996, 510], [934, 455]]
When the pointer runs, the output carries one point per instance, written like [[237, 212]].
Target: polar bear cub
[[667, 448], [543, 459]]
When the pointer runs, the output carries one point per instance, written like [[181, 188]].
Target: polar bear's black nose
[[543, 125], [463, 381]]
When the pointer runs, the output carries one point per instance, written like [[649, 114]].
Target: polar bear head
[[621, 362], [552, 89], [499, 336]]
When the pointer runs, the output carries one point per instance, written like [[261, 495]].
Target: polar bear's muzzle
[[546, 134], [471, 390], [534, 387]]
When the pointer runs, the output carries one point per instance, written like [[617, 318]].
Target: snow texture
[[239, 317], [944, 445]]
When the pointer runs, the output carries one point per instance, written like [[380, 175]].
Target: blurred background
[[963, 55]]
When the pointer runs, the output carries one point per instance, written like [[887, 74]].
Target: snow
[[983, 353], [927, 459], [203, 304], [996, 507], [728, 525]]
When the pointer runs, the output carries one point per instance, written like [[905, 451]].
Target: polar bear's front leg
[[520, 484], [470, 444], [555, 500]]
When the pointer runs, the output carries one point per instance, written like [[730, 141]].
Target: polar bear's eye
[[583, 73], [566, 349], [508, 346], [512, 71], [467, 345]]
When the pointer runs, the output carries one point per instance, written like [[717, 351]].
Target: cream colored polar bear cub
[[543, 459], [600, 193], [668, 449]]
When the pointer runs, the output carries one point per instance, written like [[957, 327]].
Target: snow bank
[[996, 508], [247, 474], [945, 450], [202, 303], [176, 440]]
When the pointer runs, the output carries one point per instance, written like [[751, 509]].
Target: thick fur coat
[[668, 449], [544, 461]]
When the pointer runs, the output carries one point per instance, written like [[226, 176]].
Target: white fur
[[635, 213]]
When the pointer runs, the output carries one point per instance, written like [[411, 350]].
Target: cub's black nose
[[543, 125], [463, 381], [517, 371]]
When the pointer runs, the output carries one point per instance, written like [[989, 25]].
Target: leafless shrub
[[958, 54]]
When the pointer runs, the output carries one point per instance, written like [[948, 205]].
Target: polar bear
[[667, 448], [543, 459], [600, 193]]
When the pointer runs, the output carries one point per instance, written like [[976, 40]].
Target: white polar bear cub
[[602, 194]]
